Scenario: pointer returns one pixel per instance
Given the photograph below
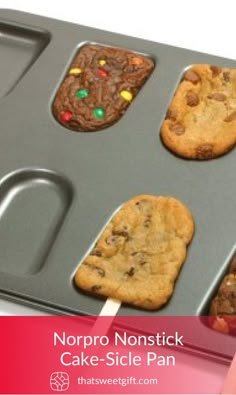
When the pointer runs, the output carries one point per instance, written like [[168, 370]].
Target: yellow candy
[[126, 95], [76, 70], [102, 62]]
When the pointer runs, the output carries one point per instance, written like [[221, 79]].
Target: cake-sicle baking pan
[[58, 188]]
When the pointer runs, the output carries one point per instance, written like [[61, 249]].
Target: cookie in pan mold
[[201, 120], [223, 305], [99, 87], [139, 254]]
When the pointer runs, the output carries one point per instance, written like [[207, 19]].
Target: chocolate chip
[[226, 76], [95, 288], [96, 252], [178, 129], [231, 117], [171, 114], [204, 151], [100, 271], [140, 257], [143, 205], [192, 99], [147, 222], [122, 233], [215, 70], [131, 272], [217, 96], [112, 240], [192, 76]]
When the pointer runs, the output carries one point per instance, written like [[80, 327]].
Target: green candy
[[99, 112], [82, 93]]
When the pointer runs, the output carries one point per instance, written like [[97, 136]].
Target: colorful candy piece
[[102, 62], [99, 112], [136, 60], [126, 95], [102, 73], [82, 93], [75, 71], [66, 116]]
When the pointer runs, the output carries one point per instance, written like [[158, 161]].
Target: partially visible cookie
[[201, 119], [225, 301], [223, 306], [140, 252]]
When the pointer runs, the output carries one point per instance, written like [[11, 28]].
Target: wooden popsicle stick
[[229, 386], [109, 310]]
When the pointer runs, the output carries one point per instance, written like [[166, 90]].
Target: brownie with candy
[[223, 306], [99, 86]]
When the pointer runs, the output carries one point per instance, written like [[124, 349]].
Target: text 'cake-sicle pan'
[[85, 130]]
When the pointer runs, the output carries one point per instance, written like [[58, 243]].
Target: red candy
[[66, 116], [102, 73]]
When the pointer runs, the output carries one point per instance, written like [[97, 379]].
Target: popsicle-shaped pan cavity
[[139, 254], [19, 49], [33, 205], [99, 86]]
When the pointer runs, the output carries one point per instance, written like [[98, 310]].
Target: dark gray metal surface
[[87, 176]]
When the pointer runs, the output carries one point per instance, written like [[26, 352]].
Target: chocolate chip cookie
[[99, 86], [223, 306], [140, 252], [201, 120]]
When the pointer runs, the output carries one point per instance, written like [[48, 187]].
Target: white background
[[208, 26], [203, 25]]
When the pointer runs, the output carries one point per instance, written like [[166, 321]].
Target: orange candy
[[136, 60]]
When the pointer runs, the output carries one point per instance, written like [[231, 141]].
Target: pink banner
[[131, 355]]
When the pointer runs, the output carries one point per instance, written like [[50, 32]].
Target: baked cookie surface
[[99, 86], [201, 119], [139, 254]]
